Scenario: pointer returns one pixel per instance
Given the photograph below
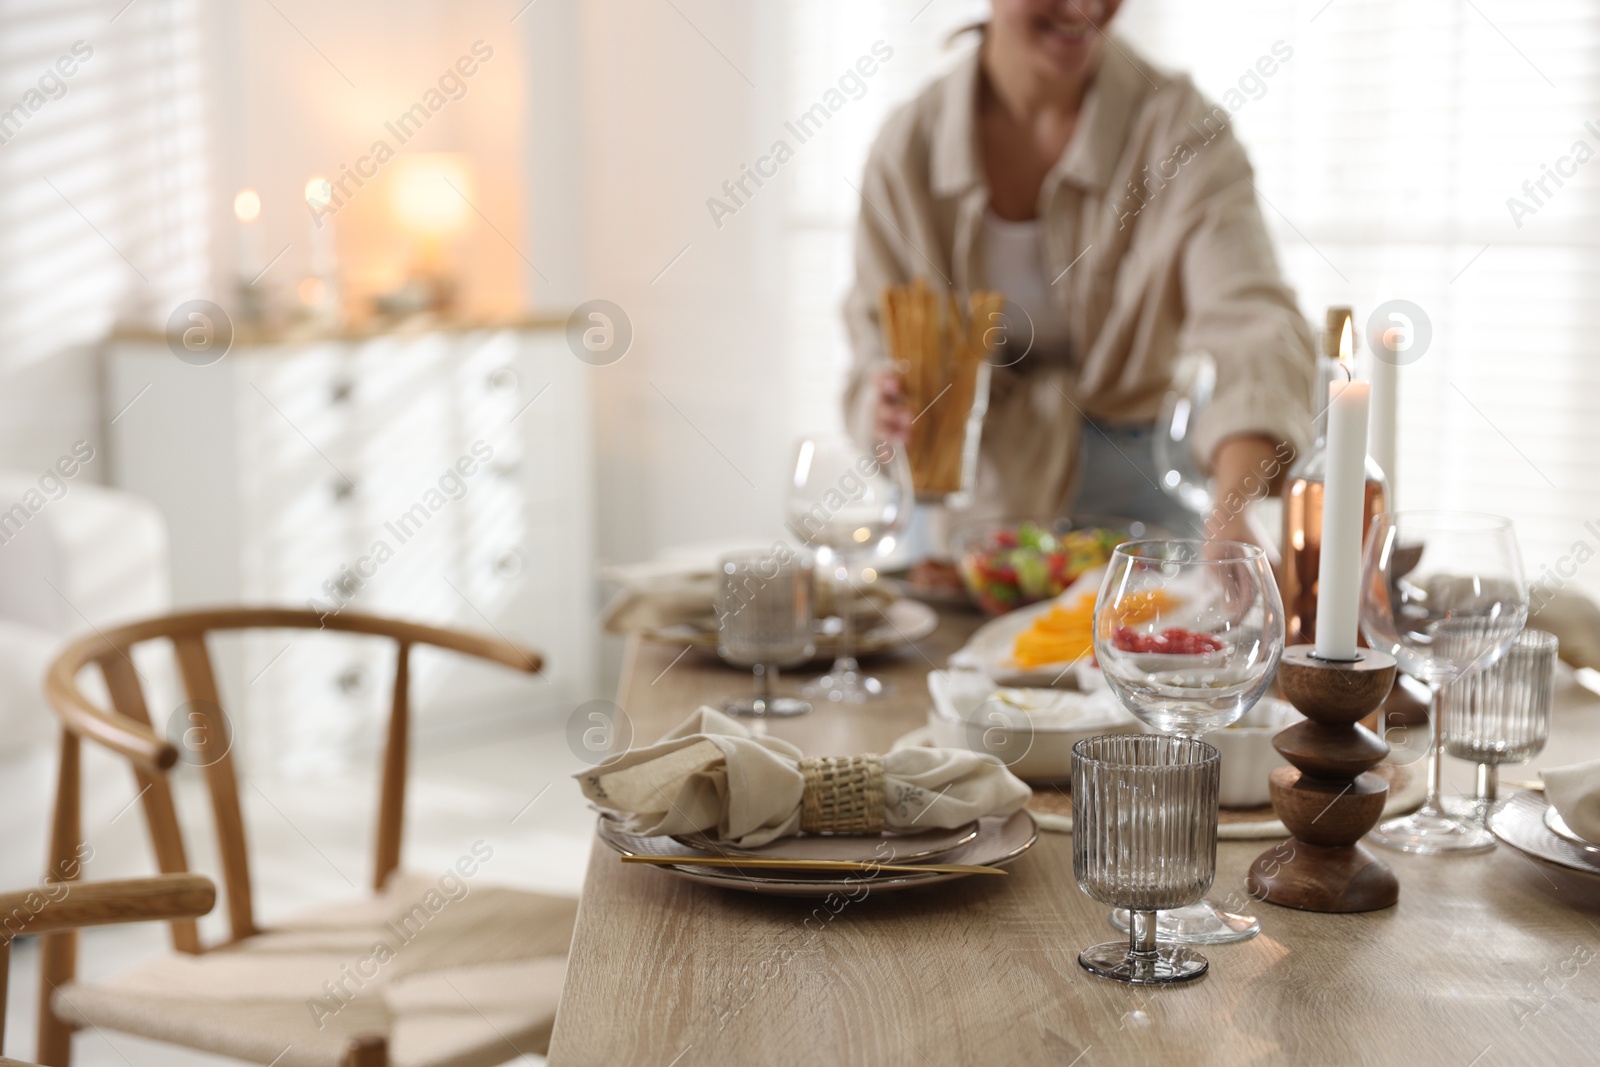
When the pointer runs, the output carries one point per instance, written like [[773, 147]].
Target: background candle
[[1383, 424], [247, 209], [1339, 569]]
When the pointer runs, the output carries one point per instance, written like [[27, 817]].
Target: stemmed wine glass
[[1443, 593], [1194, 379], [843, 501], [1188, 634]]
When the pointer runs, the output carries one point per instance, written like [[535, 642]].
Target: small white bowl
[[1247, 753], [969, 712]]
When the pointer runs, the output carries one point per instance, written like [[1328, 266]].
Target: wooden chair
[[64, 905], [506, 945]]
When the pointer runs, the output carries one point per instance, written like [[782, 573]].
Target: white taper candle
[[1383, 424], [1343, 500]]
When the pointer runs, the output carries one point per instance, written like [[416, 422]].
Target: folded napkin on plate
[[714, 775], [655, 596], [1574, 790], [1575, 620]]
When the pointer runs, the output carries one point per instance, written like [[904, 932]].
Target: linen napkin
[[1575, 620], [714, 775], [662, 594], [1575, 792]]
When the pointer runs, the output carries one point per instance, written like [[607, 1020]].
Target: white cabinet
[[443, 476]]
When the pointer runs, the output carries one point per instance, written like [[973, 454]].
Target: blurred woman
[[1111, 204]]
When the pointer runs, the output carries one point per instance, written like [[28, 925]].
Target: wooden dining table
[[1488, 959]]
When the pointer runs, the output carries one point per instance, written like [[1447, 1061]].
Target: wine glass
[[844, 501], [1194, 379], [1442, 592], [1188, 635], [764, 622]]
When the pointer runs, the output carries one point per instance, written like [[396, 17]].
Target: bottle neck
[[1312, 466]]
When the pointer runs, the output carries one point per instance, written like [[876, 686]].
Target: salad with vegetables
[[1023, 564]]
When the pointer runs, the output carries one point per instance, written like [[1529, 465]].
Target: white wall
[[695, 425]]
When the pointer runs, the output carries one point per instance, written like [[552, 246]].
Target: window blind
[[824, 39], [103, 195], [1392, 151], [1429, 151]]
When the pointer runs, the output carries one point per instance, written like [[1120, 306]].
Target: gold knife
[[812, 865]]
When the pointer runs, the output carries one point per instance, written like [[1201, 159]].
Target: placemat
[[1052, 806]]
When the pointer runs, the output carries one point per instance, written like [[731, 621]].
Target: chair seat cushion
[[455, 975]]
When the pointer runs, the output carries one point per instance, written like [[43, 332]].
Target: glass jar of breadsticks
[[940, 349]]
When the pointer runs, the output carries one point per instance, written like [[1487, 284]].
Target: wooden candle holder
[[1328, 799]]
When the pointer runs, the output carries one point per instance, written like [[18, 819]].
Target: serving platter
[[989, 650]]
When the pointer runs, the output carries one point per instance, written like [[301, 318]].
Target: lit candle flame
[[1346, 344], [247, 205], [319, 192]]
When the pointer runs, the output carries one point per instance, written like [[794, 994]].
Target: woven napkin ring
[[843, 794]]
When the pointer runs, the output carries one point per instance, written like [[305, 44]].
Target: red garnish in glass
[[1174, 640]]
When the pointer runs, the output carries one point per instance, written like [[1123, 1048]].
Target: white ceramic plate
[[1520, 823], [1162, 662], [999, 842], [904, 623], [1559, 827], [989, 650], [990, 647], [884, 848]]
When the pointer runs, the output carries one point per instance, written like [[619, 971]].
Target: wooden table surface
[[1491, 959]]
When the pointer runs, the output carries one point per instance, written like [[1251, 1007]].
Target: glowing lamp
[[430, 194]]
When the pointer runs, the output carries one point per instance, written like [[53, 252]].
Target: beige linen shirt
[[1155, 244]]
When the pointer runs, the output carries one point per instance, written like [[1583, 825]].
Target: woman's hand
[[1244, 526], [891, 419], [1244, 469]]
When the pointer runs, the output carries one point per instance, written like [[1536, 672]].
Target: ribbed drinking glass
[[1502, 714], [764, 622], [1144, 838]]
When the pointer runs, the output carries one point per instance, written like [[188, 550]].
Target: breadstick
[[937, 346]]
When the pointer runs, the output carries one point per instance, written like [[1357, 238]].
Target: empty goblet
[[1144, 838], [1442, 593], [1501, 714], [764, 622]]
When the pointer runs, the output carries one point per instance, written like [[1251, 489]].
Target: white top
[[1014, 264]]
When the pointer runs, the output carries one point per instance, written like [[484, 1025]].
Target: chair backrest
[[126, 728]]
